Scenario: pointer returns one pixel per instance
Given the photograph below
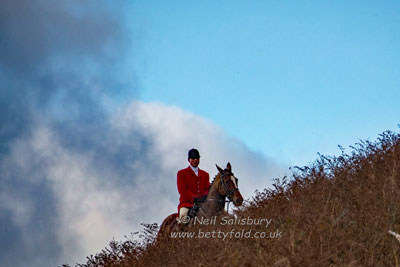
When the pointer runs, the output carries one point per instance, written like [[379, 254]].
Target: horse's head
[[229, 185]]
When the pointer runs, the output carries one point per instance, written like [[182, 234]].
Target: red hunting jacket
[[191, 186]]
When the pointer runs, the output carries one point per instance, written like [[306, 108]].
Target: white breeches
[[183, 212]]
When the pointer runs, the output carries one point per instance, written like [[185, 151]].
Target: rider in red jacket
[[192, 183]]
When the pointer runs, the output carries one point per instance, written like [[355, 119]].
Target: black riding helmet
[[193, 154]]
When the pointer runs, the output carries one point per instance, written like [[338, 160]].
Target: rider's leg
[[183, 212]]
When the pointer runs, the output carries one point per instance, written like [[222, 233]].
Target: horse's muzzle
[[237, 199]]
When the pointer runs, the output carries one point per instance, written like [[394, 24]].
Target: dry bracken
[[335, 212]]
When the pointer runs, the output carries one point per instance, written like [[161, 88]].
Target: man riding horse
[[193, 184], [198, 197]]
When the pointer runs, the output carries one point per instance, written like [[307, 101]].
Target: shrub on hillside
[[335, 212]]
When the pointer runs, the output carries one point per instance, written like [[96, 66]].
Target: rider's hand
[[199, 199]]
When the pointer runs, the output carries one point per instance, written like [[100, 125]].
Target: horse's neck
[[215, 202]]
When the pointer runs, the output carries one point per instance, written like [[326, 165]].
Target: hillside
[[335, 212]]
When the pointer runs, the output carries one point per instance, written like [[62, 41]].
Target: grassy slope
[[336, 212]]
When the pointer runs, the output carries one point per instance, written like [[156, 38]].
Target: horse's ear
[[229, 167], [219, 169]]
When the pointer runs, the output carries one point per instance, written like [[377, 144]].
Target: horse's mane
[[215, 177], [213, 180]]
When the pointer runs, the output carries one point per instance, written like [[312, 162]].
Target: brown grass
[[335, 212]]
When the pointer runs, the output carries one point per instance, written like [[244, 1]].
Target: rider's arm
[[207, 186], [186, 194]]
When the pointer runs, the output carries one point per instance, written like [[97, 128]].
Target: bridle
[[229, 193]]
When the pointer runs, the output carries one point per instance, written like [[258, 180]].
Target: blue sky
[[290, 79], [100, 102]]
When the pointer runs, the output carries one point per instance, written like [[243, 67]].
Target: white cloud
[[175, 131], [93, 205]]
